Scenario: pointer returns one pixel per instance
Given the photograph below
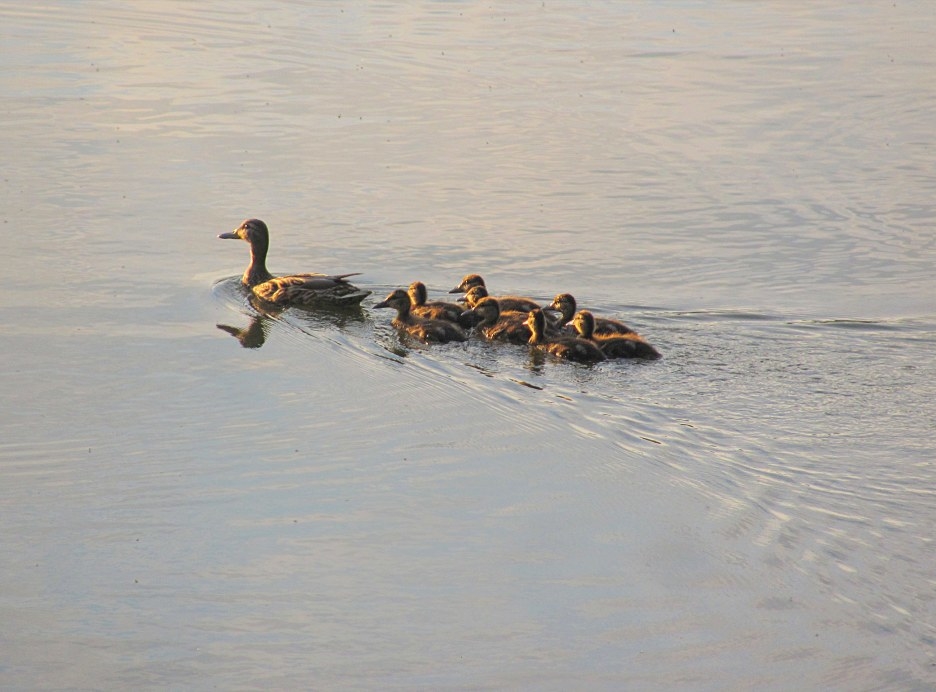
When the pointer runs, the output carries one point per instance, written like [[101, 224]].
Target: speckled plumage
[[565, 305], [630, 345], [423, 328], [566, 347], [499, 325], [435, 309], [474, 289]]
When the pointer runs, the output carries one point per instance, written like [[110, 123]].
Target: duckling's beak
[[382, 304], [229, 236], [463, 299], [457, 289]]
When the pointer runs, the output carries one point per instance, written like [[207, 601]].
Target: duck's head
[[486, 310], [469, 282], [417, 293], [474, 296], [536, 321], [254, 231], [398, 299], [584, 323], [565, 304]]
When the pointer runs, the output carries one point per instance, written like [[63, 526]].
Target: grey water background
[[751, 185]]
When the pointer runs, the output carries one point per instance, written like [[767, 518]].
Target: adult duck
[[297, 289], [433, 309], [630, 345], [513, 303], [498, 325], [566, 347], [423, 328], [565, 305]]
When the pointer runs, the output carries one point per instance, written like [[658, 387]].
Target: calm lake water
[[321, 505]]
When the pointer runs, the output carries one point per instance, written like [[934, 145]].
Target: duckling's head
[[564, 303], [536, 321], [398, 299], [584, 323], [254, 231], [474, 296], [417, 293], [487, 310], [467, 283]]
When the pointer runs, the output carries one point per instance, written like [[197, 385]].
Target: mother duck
[[296, 289]]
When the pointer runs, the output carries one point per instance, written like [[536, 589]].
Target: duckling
[[436, 309], [507, 303], [564, 303], [297, 289], [630, 345], [512, 303], [500, 326], [423, 328], [566, 347]]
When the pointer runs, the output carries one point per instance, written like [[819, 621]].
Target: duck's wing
[[604, 325], [337, 278], [628, 346], [517, 304], [310, 289]]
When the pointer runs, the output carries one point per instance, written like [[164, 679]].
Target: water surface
[[320, 504]]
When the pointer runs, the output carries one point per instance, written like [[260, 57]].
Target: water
[[749, 185]]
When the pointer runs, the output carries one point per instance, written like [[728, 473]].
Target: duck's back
[[575, 349], [310, 289], [511, 327], [630, 345], [438, 310], [604, 325]]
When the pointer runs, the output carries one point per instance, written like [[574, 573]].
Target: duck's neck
[[256, 271], [584, 330], [566, 314], [490, 319], [403, 313], [418, 295]]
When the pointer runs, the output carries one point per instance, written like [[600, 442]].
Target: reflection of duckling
[[434, 310], [613, 345], [506, 303], [567, 347], [424, 329], [514, 303], [564, 303], [500, 326], [298, 289]]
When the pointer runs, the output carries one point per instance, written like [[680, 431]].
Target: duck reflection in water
[[263, 314], [252, 336]]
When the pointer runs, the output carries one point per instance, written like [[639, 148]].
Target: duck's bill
[[382, 304], [229, 236]]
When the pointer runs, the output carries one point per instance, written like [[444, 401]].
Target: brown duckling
[[423, 328], [507, 303], [565, 305], [435, 309], [500, 326], [630, 345], [297, 289], [512, 303], [566, 347]]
